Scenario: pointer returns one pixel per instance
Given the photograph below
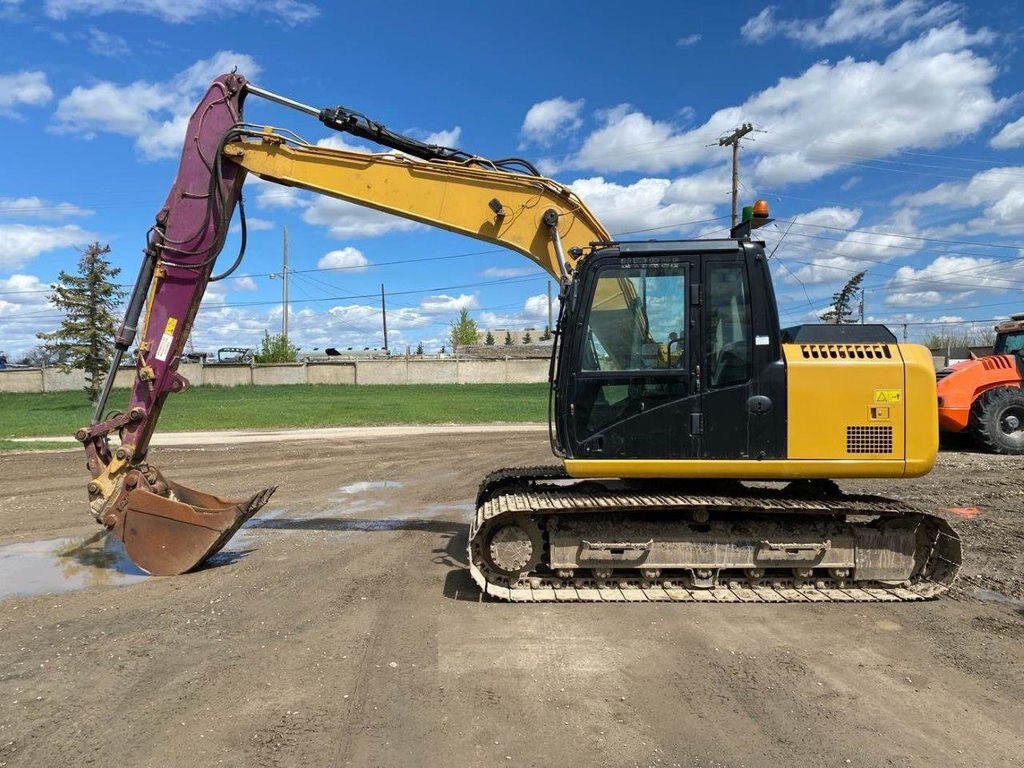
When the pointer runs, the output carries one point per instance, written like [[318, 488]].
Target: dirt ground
[[342, 629]]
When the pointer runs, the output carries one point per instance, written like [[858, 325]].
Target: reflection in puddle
[[369, 485], [349, 518], [65, 564]]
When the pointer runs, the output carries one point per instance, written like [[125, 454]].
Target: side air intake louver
[[873, 439], [997, 362], [846, 351]]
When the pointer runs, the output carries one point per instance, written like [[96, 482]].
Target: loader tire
[[997, 420]]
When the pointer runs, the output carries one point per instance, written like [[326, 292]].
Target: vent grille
[[996, 363], [868, 439], [846, 351]]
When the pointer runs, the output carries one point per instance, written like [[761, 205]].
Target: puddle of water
[[369, 485], [65, 564], [241, 543]]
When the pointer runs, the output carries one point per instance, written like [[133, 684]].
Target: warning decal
[[888, 395], [165, 341]]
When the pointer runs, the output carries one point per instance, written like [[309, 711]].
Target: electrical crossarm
[[671, 384]]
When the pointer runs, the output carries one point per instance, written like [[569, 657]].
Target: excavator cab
[[663, 346]]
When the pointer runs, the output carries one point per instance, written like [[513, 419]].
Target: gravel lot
[[341, 628]]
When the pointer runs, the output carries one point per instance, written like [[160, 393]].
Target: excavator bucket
[[168, 529]]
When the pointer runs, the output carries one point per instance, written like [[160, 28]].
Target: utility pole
[[284, 286], [733, 140], [549, 306], [384, 317]]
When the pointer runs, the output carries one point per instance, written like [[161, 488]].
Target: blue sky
[[890, 138]]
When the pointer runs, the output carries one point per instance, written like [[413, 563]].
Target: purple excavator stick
[[168, 528]]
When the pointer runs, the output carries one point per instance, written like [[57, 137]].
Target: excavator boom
[[168, 528]]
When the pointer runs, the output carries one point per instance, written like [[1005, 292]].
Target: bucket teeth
[[172, 533]]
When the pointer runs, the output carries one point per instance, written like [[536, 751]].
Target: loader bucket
[[166, 534]]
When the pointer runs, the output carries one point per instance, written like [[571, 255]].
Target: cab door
[[727, 358], [633, 390]]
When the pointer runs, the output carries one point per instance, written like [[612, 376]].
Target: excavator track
[[541, 536]]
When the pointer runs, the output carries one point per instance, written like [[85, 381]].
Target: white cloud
[[445, 138], [997, 193], [24, 311], [23, 88], [448, 305], [20, 243], [949, 279], [852, 20], [545, 120], [1010, 136], [290, 12], [351, 259], [252, 224], [270, 195], [814, 254], [38, 208], [256, 224], [23, 289], [500, 272], [930, 92], [535, 308], [341, 141], [534, 314], [244, 284], [154, 114], [687, 41], [629, 140], [647, 203], [343, 219], [107, 44]]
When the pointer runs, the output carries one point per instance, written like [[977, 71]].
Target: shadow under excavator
[[458, 585]]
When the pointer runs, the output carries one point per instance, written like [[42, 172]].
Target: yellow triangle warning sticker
[[888, 395]]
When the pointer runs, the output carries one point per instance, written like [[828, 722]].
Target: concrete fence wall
[[394, 371]]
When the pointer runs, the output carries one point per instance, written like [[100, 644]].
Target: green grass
[[35, 445], [280, 407]]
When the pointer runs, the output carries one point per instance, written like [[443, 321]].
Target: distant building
[[517, 336]]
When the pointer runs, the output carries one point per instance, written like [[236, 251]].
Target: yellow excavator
[[699, 441]]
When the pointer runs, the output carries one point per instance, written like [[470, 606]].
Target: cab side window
[[727, 329], [637, 320]]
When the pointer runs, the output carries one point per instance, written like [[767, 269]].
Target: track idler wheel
[[167, 528]]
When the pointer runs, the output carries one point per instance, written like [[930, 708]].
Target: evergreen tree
[[546, 335], [508, 339], [842, 302], [419, 349], [489, 341], [85, 336], [442, 349], [527, 338], [464, 330]]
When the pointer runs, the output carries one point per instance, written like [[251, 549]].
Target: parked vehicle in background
[[984, 398], [234, 355]]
